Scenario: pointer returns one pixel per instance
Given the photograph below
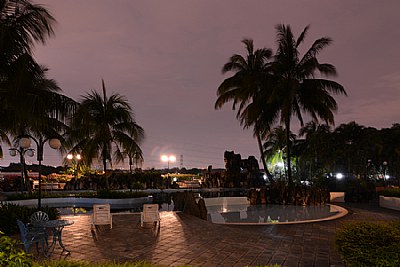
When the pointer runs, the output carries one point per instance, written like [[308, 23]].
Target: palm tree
[[104, 128], [296, 88], [30, 103], [317, 147], [247, 88], [3, 138], [23, 82], [275, 146], [22, 25], [39, 96]]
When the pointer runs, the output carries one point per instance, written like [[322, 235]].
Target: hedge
[[369, 244]]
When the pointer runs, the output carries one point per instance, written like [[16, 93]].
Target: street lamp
[[22, 151], [25, 143], [75, 161], [168, 159]]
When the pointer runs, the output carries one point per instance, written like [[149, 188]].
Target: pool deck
[[184, 239]]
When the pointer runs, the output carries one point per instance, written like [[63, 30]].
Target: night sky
[[166, 58]]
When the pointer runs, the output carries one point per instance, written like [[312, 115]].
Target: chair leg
[[26, 247]]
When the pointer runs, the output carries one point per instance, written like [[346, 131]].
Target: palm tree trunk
[[288, 152], [269, 176], [105, 172]]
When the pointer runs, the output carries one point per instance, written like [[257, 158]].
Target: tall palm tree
[[22, 25], [247, 88], [296, 88], [23, 82], [104, 128], [30, 103]]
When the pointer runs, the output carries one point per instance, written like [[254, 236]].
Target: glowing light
[[166, 158], [339, 176], [279, 164]]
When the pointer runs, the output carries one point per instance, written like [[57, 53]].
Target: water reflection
[[266, 213]]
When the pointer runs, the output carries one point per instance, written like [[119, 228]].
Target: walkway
[[185, 239]]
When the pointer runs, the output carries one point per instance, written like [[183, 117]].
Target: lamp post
[[168, 159], [25, 143], [75, 161], [22, 151]]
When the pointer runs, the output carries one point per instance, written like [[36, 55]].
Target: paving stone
[[184, 239]]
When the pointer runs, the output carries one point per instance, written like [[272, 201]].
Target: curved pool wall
[[238, 211], [125, 203]]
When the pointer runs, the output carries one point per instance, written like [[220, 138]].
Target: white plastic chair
[[150, 214], [102, 215]]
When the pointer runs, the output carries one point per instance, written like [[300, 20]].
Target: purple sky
[[166, 58]]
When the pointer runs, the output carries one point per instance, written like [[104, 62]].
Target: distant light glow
[[387, 176], [279, 164], [168, 158], [339, 175]]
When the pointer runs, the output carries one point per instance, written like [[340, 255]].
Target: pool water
[[242, 213]]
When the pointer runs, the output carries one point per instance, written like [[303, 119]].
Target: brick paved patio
[[184, 239]]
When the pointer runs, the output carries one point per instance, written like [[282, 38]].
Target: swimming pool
[[237, 210]]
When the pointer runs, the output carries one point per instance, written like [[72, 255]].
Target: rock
[[203, 209], [185, 201]]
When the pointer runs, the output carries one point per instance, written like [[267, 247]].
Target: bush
[[11, 255], [370, 244], [9, 213], [390, 192], [359, 191]]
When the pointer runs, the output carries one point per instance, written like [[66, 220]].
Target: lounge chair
[[102, 215], [150, 215]]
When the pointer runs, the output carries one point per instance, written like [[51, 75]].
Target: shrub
[[390, 192], [11, 255], [359, 190], [370, 244], [9, 213]]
